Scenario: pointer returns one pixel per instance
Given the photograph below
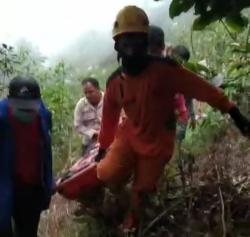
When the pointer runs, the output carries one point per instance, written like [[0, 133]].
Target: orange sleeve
[[110, 114], [194, 86]]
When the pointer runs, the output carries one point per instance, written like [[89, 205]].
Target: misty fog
[[96, 46], [81, 37]]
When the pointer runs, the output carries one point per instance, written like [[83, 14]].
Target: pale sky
[[51, 25]]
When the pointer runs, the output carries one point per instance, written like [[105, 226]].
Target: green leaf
[[179, 6], [202, 68], [191, 67], [236, 23], [196, 67], [248, 48], [200, 23], [241, 48], [174, 9]]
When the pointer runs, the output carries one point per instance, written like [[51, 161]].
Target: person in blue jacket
[[26, 180]]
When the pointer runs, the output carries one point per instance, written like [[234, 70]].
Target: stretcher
[[81, 177]]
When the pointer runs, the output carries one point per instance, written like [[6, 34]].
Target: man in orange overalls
[[144, 87]]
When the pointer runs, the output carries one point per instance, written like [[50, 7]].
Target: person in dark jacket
[[26, 180]]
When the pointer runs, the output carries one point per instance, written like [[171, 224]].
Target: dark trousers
[[26, 213]]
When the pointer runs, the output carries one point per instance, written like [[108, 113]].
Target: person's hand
[[240, 121], [55, 185], [100, 155]]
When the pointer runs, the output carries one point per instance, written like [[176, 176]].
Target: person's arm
[[110, 115], [78, 124], [193, 86], [110, 118]]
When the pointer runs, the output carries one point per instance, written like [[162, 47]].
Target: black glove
[[100, 155], [241, 122]]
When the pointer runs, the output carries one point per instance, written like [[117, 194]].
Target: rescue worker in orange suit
[[144, 87]]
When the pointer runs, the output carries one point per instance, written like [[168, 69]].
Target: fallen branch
[[154, 221], [224, 230]]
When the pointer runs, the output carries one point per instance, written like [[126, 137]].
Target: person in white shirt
[[88, 112]]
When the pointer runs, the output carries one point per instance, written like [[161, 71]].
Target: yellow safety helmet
[[130, 19]]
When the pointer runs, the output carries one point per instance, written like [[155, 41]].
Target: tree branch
[[224, 230]]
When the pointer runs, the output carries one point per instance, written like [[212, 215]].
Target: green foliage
[[101, 73], [197, 68], [177, 7], [236, 23], [201, 22], [60, 98], [200, 139], [8, 59], [208, 11], [214, 52]]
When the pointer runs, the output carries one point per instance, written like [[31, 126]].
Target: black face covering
[[133, 65], [132, 52]]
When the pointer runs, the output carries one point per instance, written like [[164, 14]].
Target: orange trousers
[[121, 163]]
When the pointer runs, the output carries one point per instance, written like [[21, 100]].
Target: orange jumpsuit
[[144, 142]]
